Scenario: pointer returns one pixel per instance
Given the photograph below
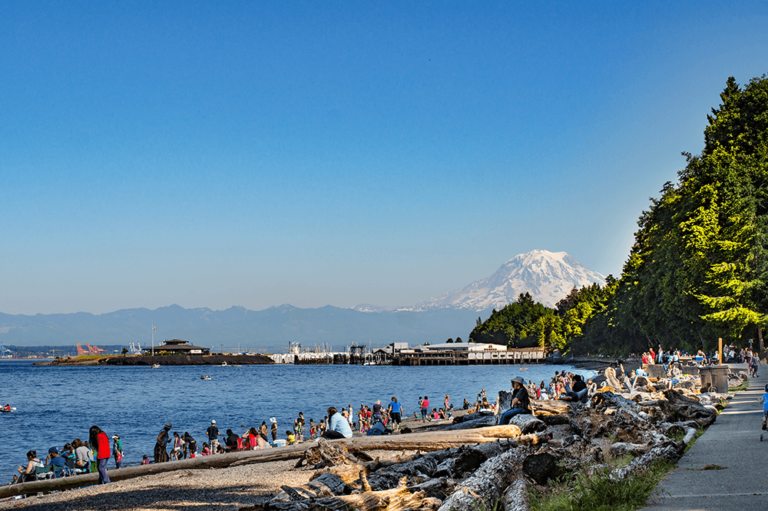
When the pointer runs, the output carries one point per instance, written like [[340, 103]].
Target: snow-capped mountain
[[547, 276]]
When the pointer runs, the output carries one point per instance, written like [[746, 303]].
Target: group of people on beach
[[376, 419], [76, 457]]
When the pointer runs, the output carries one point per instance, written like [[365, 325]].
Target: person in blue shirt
[[764, 400], [55, 461], [395, 411], [338, 426]]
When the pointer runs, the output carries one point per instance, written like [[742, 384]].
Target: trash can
[[714, 379]]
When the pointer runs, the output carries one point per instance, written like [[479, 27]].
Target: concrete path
[[732, 442]]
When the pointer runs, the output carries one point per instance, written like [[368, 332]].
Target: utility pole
[[153, 338]]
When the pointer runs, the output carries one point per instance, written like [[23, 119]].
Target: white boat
[[224, 364], [155, 366], [205, 377]]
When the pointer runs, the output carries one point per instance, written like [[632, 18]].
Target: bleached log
[[642, 462], [485, 486], [550, 407], [690, 434], [622, 448], [611, 380], [515, 497]]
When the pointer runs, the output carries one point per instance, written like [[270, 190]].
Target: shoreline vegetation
[[614, 446]]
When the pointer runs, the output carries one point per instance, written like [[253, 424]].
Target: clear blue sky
[[213, 154]]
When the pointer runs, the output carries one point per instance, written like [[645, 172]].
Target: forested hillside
[[697, 270]]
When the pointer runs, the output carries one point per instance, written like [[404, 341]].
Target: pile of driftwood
[[643, 418]]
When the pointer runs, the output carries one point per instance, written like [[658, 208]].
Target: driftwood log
[[528, 423], [515, 497], [549, 407], [485, 486]]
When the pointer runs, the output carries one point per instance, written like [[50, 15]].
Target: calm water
[[57, 404]]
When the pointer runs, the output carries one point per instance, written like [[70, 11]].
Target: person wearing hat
[[521, 403], [161, 454], [117, 451], [213, 437], [273, 429], [55, 461]]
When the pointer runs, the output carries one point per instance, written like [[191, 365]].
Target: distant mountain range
[[547, 276]]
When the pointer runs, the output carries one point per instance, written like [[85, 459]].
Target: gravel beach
[[212, 489]]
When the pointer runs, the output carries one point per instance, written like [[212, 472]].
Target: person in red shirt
[[100, 441]]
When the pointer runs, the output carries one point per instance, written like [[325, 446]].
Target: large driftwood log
[[611, 380], [472, 416], [528, 423], [622, 404], [515, 497], [689, 408], [549, 407], [658, 453], [485, 487]]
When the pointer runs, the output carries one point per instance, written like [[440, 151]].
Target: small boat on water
[[7, 409], [224, 364], [205, 377], [155, 366]]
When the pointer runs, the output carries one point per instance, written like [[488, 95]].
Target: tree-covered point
[[526, 323], [698, 268]]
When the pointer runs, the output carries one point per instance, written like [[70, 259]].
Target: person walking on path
[[161, 455], [213, 437], [100, 442], [117, 451]]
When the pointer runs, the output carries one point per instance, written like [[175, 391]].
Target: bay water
[[55, 404]]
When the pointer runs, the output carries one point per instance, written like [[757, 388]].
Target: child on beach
[[206, 450], [145, 460], [290, 437]]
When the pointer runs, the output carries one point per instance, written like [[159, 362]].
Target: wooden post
[[720, 352]]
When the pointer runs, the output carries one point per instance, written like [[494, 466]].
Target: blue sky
[[213, 154]]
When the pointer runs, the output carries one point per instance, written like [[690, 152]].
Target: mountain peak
[[547, 276]]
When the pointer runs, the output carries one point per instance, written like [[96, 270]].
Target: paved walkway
[[732, 442]]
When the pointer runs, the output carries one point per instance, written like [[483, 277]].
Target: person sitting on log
[[338, 427], [29, 472], [521, 403], [578, 392]]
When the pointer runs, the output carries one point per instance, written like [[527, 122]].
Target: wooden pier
[[490, 357]]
